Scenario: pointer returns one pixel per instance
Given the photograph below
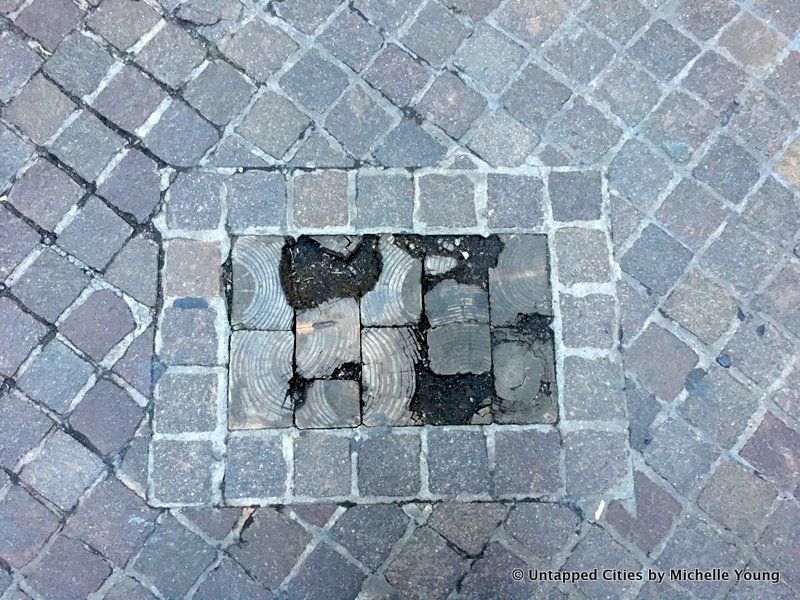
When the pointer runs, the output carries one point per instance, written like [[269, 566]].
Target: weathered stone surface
[[107, 416], [22, 333], [55, 376], [258, 298], [99, 324], [260, 370], [255, 467], [397, 297]]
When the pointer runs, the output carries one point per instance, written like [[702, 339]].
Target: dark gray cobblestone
[[653, 141]]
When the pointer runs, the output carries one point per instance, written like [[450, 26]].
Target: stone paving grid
[[641, 92]]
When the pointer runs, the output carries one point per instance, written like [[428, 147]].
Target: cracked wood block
[[327, 337], [520, 284], [397, 297], [390, 357], [453, 302], [329, 403], [457, 348], [260, 371], [258, 298]]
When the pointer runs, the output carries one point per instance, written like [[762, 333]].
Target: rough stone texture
[[688, 111]]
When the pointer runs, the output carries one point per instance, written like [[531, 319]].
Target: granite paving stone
[[583, 448], [181, 137], [384, 200], [18, 62], [542, 528], [426, 565], [580, 55], [368, 532], [107, 416], [638, 174], [435, 34], [598, 550], [182, 471], [194, 201], [79, 64], [663, 50], [705, 18], [49, 285], [535, 96], [763, 124], [458, 462], [62, 470], [527, 462], [122, 22], [14, 151], [467, 525], [95, 235], [487, 576], [751, 41], [409, 145], [618, 20], [583, 132], [273, 124], [172, 558], [44, 194], [782, 78], [26, 526], [255, 467], [759, 350], [230, 578], [397, 75], [656, 260], [39, 109], [500, 139], [773, 450], [325, 572], [134, 185], [490, 57], [397, 456], [256, 199], [136, 365], [181, 328], [314, 81], [22, 427], [715, 80], [679, 125], [129, 99], [445, 201], [113, 520], [660, 361], [259, 48], [588, 321], [451, 104], [701, 306], [99, 324], [514, 201], [357, 121], [322, 465], [575, 195], [267, 562], [582, 255], [190, 268], [186, 402], [680, 455], [219, 92], [351, 39], [531, 24], [728, 169], [781, 533], [135, 270], [320, 199], [24, 333], [184, 53], [68, 570], [87, 146], [594, 389], [691, 213], [630, 92], [55, 376], [780, 300]]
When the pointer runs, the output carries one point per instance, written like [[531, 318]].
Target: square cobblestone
[[314, 81], [435, 34], [715, 80], [134, 186], [269, 562], [62, 470], [95, 235], [532, 24], [39, 109], [388, 465], [230, 578], [194, 201], [598, 550], [618, 20], [656, 260], [752, 42], [702, 306], [704, 18], [397, 74], [320, 199], [639, 174], [588, 321], [55, 376], [181, 137], [691, 213], [129, 99], [501, 140], [219, 93], [357, 121], [490, 58], [191, 268], [773, 450], [255, 467], [49, 285], [258, 48], [99, 324], [584, 132], [135, 270], [68, 569], [527, 462], [186, 402], [458, 462], [514, 201], [351, 39], [13, 153], [594, 389], [451, 104], [582, 256], [44, 194], [26, 524], [79, 64], [680, 455], [780, 300], [409, 145], [173, 558], [763, 124], [660, 362], [583, 449], [575, 195], [728, 169], [781, 533], [630, 92], [107, 416], [384, 200], [256, 199], [87, 146], [544, 529], [321, 465], [446, 201], [368, 532], [122, 22], [113, 520], [679, 126], [23, 333], [171, 55], [783, 78], [273, 124], [580, 55], [182, 471], [22, 426], [189, 335], [535, 96], [17, 63], [759, 350], [663, 50]]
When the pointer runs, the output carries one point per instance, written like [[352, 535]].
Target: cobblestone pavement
[[654, 142]]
